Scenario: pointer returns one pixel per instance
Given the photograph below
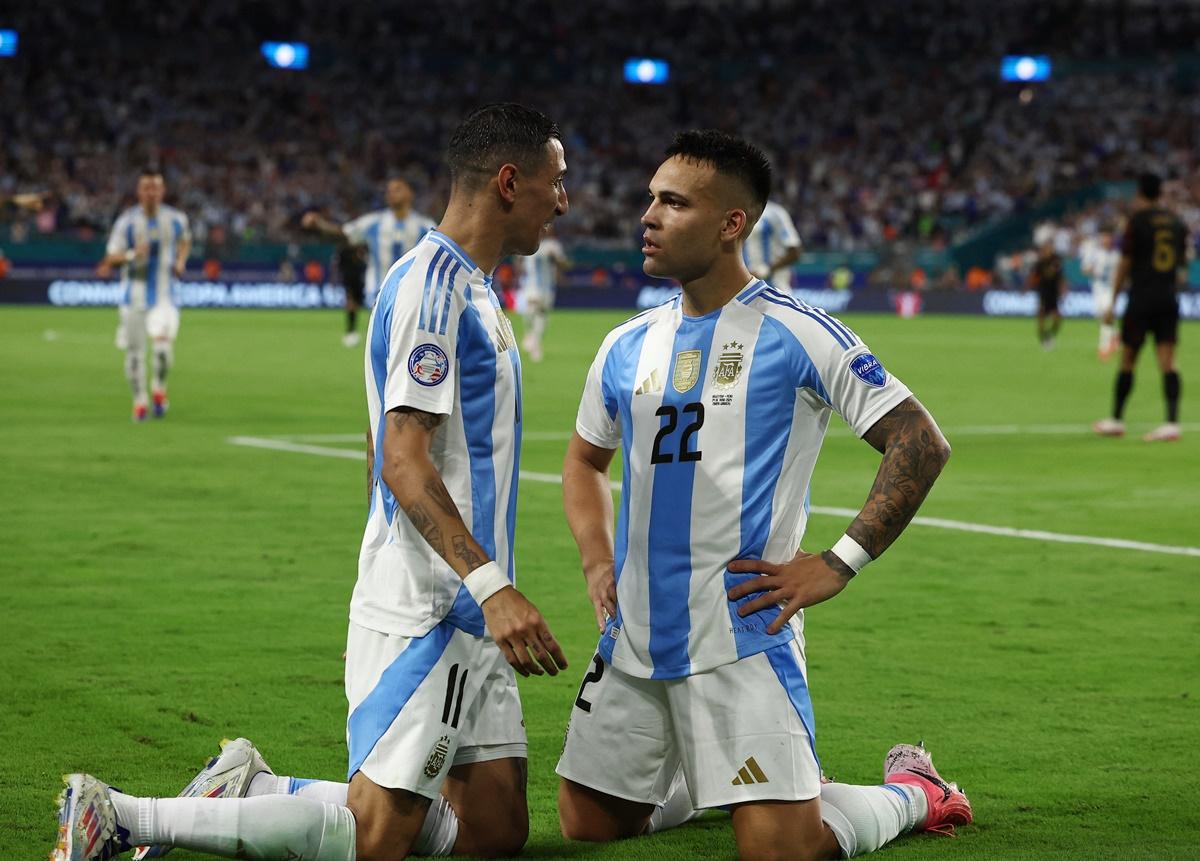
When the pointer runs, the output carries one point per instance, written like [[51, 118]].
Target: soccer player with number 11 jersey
[[719, 400]]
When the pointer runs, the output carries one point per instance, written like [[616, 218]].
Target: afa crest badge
[[427, 364], [437, 757], [729, 366]]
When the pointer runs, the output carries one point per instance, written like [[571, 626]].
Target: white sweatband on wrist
[[485, 581], [851, 552]]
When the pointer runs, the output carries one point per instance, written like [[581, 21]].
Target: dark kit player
[[1153, 261], [1047, 276]]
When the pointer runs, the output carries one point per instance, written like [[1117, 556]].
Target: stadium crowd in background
[[921, 142]]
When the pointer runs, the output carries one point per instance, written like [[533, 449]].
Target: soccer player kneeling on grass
[[718, 400], [435, 731]]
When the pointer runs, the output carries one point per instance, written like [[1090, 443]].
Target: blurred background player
[[1047, 277], [539, 278], [351, 262], [1098, 259], [150, 242], [388, 233], [773, 246], [1153, 263]]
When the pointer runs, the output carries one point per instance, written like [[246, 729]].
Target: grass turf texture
[[164, 588]]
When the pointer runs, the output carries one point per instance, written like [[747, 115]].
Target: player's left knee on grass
[[593, 817], [783, 831], [497, 830]]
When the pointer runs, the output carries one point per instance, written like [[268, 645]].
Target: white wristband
[[851, 552], [485, 581]]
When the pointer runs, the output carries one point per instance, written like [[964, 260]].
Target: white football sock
[[438, 833], [135, 372], [164, 354], [318, 790], [864, 818], [267, 828], [676, 810], [1107, 333]]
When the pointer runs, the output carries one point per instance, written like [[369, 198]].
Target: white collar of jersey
[[439, 238]]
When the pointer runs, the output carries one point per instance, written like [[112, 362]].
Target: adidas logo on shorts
[[749, 774]]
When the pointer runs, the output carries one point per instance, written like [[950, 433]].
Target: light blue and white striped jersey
[[153, 282], [1099, 264], [539, 272], [438, 342], [772, 233], [720, 419], [387, 240]]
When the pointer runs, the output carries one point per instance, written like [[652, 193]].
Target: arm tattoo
[[464, 551], [435, 489], [837, 565], [425, 524], [401, 416], [914, 453]]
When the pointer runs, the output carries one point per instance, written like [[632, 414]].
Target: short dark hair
[[504, 133], [1149, 185], [730, 155], [150, 170]]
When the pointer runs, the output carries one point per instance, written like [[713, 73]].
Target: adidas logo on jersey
[[651, 384], [749, 774]]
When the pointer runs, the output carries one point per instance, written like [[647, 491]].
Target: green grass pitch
[[164, 588]]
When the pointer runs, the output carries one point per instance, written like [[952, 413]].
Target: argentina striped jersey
[[387, 239], [719, 419], [438, 342], [151, 281]]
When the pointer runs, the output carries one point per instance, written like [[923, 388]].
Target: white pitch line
[[298, 448], [935, 522], [836, 431]]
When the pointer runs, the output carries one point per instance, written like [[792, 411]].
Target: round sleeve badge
[[869, 369], [427, 364]]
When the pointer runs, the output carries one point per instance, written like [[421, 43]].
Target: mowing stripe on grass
[[935, 522]]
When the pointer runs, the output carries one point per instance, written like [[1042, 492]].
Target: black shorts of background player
[[1047, 277], [1153, 262], [351, 262]]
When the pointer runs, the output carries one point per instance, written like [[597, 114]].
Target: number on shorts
[[450, 698], [593, 675]]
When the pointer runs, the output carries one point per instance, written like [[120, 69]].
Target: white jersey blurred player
[[150, 242], [718, 401], [1098, 258], [388, 233], [773, 246], [539, 281]]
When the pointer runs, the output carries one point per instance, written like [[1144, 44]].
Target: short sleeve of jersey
[[788, 236], [422, 368], [118, 241], [860, 388], [356, 230], [183, 231], [597, 421]]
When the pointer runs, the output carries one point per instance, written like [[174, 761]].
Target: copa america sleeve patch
[[427, 364], [869, 369]]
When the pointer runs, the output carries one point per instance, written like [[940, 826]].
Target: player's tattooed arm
[[419, 489], [914, 454]]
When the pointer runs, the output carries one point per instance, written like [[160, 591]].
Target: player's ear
[[734, 225], [506, 181]]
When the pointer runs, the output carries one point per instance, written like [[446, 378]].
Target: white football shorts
[[742, 732], [160, 323], [421, 705]]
